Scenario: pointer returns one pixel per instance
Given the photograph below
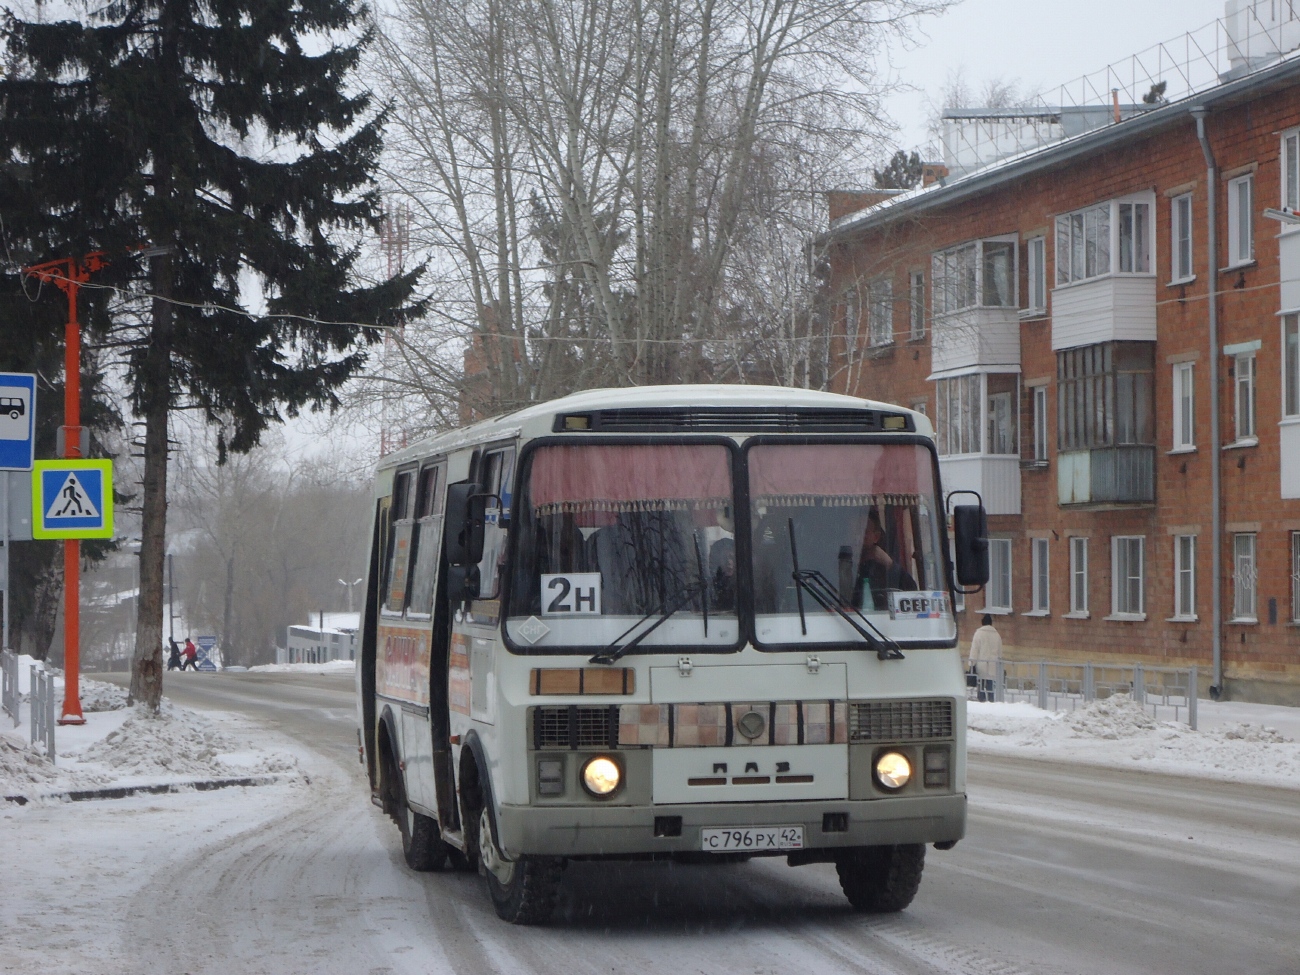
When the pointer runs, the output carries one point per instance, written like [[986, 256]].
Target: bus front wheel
[[422, 844], [523, 890], [881, 879]]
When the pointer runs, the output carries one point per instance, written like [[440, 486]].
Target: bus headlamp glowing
[[601, 776], [893, 771]]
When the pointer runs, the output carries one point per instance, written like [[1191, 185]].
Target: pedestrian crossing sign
[[72, 498]]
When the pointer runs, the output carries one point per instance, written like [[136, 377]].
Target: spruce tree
[[902, 172], [204, 145]]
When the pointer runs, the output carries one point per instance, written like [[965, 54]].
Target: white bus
[[679, 621]]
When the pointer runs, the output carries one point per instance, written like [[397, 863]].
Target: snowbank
[[130, 746], [333, 667], [1236, 742]]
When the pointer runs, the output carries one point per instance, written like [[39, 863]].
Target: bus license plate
[[751, 839]]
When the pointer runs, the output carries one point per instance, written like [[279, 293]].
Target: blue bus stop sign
[[17, 421]]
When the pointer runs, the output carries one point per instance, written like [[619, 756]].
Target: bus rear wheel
[[881, 879], [523, 890]]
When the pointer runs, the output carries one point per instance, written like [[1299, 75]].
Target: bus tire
[[422, 844], [881, 879], [523, 890]]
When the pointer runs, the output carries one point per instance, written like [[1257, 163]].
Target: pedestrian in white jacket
[[985, 654]]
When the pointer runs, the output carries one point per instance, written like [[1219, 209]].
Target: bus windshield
[[614, 539], [860, 516]]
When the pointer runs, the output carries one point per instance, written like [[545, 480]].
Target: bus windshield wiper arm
[[616, 650], [828, 597]]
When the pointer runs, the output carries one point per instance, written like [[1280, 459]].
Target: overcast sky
[[1040, 43]]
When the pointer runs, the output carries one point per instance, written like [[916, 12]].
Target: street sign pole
[[68, 274], [17, 453]]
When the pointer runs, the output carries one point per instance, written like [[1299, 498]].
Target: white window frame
[[1091, 242], [1244, 393], [1241, 220], [852, 317], [957, 276], [1181, 252], [1184, 415], [997, 594], [1245, 578], [1036, 259], [916, 304], [1295, 577], [1040, 561], [1289, 162], [1079, 577], [1291, 366], [880, 314], [1128, 579], [1040, 423], [1184, 578]]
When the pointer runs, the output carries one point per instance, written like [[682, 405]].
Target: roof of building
[[1282, 73]]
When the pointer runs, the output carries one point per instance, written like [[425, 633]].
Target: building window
[[1184, 413], [1036, 252], [1185, 577], [1295, 577], [1291, 170], [997, 595], [852, 317], [880, 314], [1127, 576], [1104, 395], [1241, 220], [980, 273], [1078, 576], [922, 407], [1244, 577], [959, 414], [916, 295], [1109, 238], [1040, 423], [1244, 382], [1180, 238], [1002, 422], [1041, 568], [1291, 365]]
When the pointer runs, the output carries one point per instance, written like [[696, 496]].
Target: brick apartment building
[[1094, 326]]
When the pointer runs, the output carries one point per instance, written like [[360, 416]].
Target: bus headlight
[[601, 776], [893, 771]]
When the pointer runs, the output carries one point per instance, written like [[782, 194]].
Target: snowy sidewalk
[[1236, 742], [121, 751]]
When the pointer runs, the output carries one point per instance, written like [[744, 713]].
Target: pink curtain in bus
[[849, 474], [640, 477]]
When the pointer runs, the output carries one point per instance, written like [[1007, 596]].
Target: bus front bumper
[[593, 831]]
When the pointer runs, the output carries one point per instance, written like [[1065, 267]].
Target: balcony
[[976, 337], [1106, 475], [996, 478], [1116, 308]]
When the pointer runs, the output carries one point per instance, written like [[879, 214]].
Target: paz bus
[[687, 622]]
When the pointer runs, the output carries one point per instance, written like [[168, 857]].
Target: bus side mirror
[[462, 583], [971, 544], [462, 537]]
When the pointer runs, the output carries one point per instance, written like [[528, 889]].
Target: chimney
[[1114, 97], [933, 172]]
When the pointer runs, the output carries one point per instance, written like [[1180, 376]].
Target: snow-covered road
[[1065, 869]]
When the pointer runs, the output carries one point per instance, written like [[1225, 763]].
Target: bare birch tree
[[616, 192]]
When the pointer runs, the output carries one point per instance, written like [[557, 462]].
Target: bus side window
[[429, 501], [497, 478], [399, 546]]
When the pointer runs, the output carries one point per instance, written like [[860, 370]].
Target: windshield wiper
[[666, 609], [829, 598]]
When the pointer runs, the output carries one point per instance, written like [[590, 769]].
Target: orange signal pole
[[69, 274]]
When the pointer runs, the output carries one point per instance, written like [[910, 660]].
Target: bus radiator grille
[[900, 720], [575, 726]]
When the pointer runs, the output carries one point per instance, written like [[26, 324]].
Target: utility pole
[[68, 274]]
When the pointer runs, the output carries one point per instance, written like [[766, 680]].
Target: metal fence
[[1166, 692], [43, 709], [10, 699]]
